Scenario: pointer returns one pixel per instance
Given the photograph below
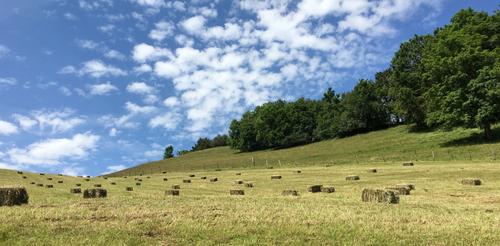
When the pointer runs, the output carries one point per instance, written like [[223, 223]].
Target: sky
[[94, 86]]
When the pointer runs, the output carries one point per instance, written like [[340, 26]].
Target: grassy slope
[[439, 212], [392, 145]]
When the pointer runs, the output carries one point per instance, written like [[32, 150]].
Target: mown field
[[441, 211], [391, 145]]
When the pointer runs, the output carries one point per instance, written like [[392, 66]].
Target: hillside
[[391, 145]]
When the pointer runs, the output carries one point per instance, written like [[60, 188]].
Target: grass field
[[392, 145], [440, 211]]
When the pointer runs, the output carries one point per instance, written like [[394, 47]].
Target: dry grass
[[439, 211]]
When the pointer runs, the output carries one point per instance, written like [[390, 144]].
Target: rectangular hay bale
[[314, 188], [95, 193], [75, 190], [471, 181], [237, 192], [290, 193], [10, 196], [172, 192], [275, 176], [379, 196], [327, 189], [352, 177]]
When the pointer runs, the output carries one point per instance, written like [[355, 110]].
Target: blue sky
[[93, 86]]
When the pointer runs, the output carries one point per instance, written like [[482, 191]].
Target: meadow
[[440, 211]]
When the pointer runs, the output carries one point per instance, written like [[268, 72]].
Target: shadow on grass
[[474, 139]]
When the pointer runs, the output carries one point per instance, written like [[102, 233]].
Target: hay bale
[[165, 179], [19, 172], [32, 183], [352, 177], [270, 167], [297, 171], [408, 164], [10, 196], [49, 179], [176, 187], [60, 174], [129, 189], [237, 192], [39, 185], [95, 193], [214, 179], [78, 185], [137, 184], [186, 181], [148, 177], [204, 177], [75, 190], [124, 177], [88, 176], [238, 174], [24, 177], [380, 196], [218, 170], [49, 186], [112, 183], [471, 181], [192, 175], [140, 180], [314, 188], [60, 181], [97, 185], [163, 172], [400, 190], [238, 181], [172, 192], [42, 174], [275, 176], [372, 170], [409, 186], [327, 189], [87, 180], [249, 185], [290, 193]]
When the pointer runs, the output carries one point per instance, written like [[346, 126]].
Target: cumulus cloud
[[168, 120], [136, 109], [7, 128], [115, 168], [145, 52], [140, 88], [55, 151], [161, 31], [94, 68], [194, 24], [102, 89], [47, 121]]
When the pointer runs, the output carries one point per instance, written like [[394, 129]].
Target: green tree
[[169, 152], [462, 66], [406, 85]]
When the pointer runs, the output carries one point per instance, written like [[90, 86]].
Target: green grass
[[439, 212], [392, 145]]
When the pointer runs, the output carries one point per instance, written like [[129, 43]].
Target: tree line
[[448, 79]]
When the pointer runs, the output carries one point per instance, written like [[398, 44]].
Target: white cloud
[[4, 50], [143, 68], [144, 53], [65, 91], [8, 81], [161, 31], [114, 54], [7, 128], [113, 132], [136, 109], [107, 28], [140, 88], [151, 3], [154, 154], [94, 4], [70, 16], [74, 171], [94, 68], [169, 121], [102, 89], [55, 121], [55, 151], [124, 121], [194, 24], [171, 102]]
